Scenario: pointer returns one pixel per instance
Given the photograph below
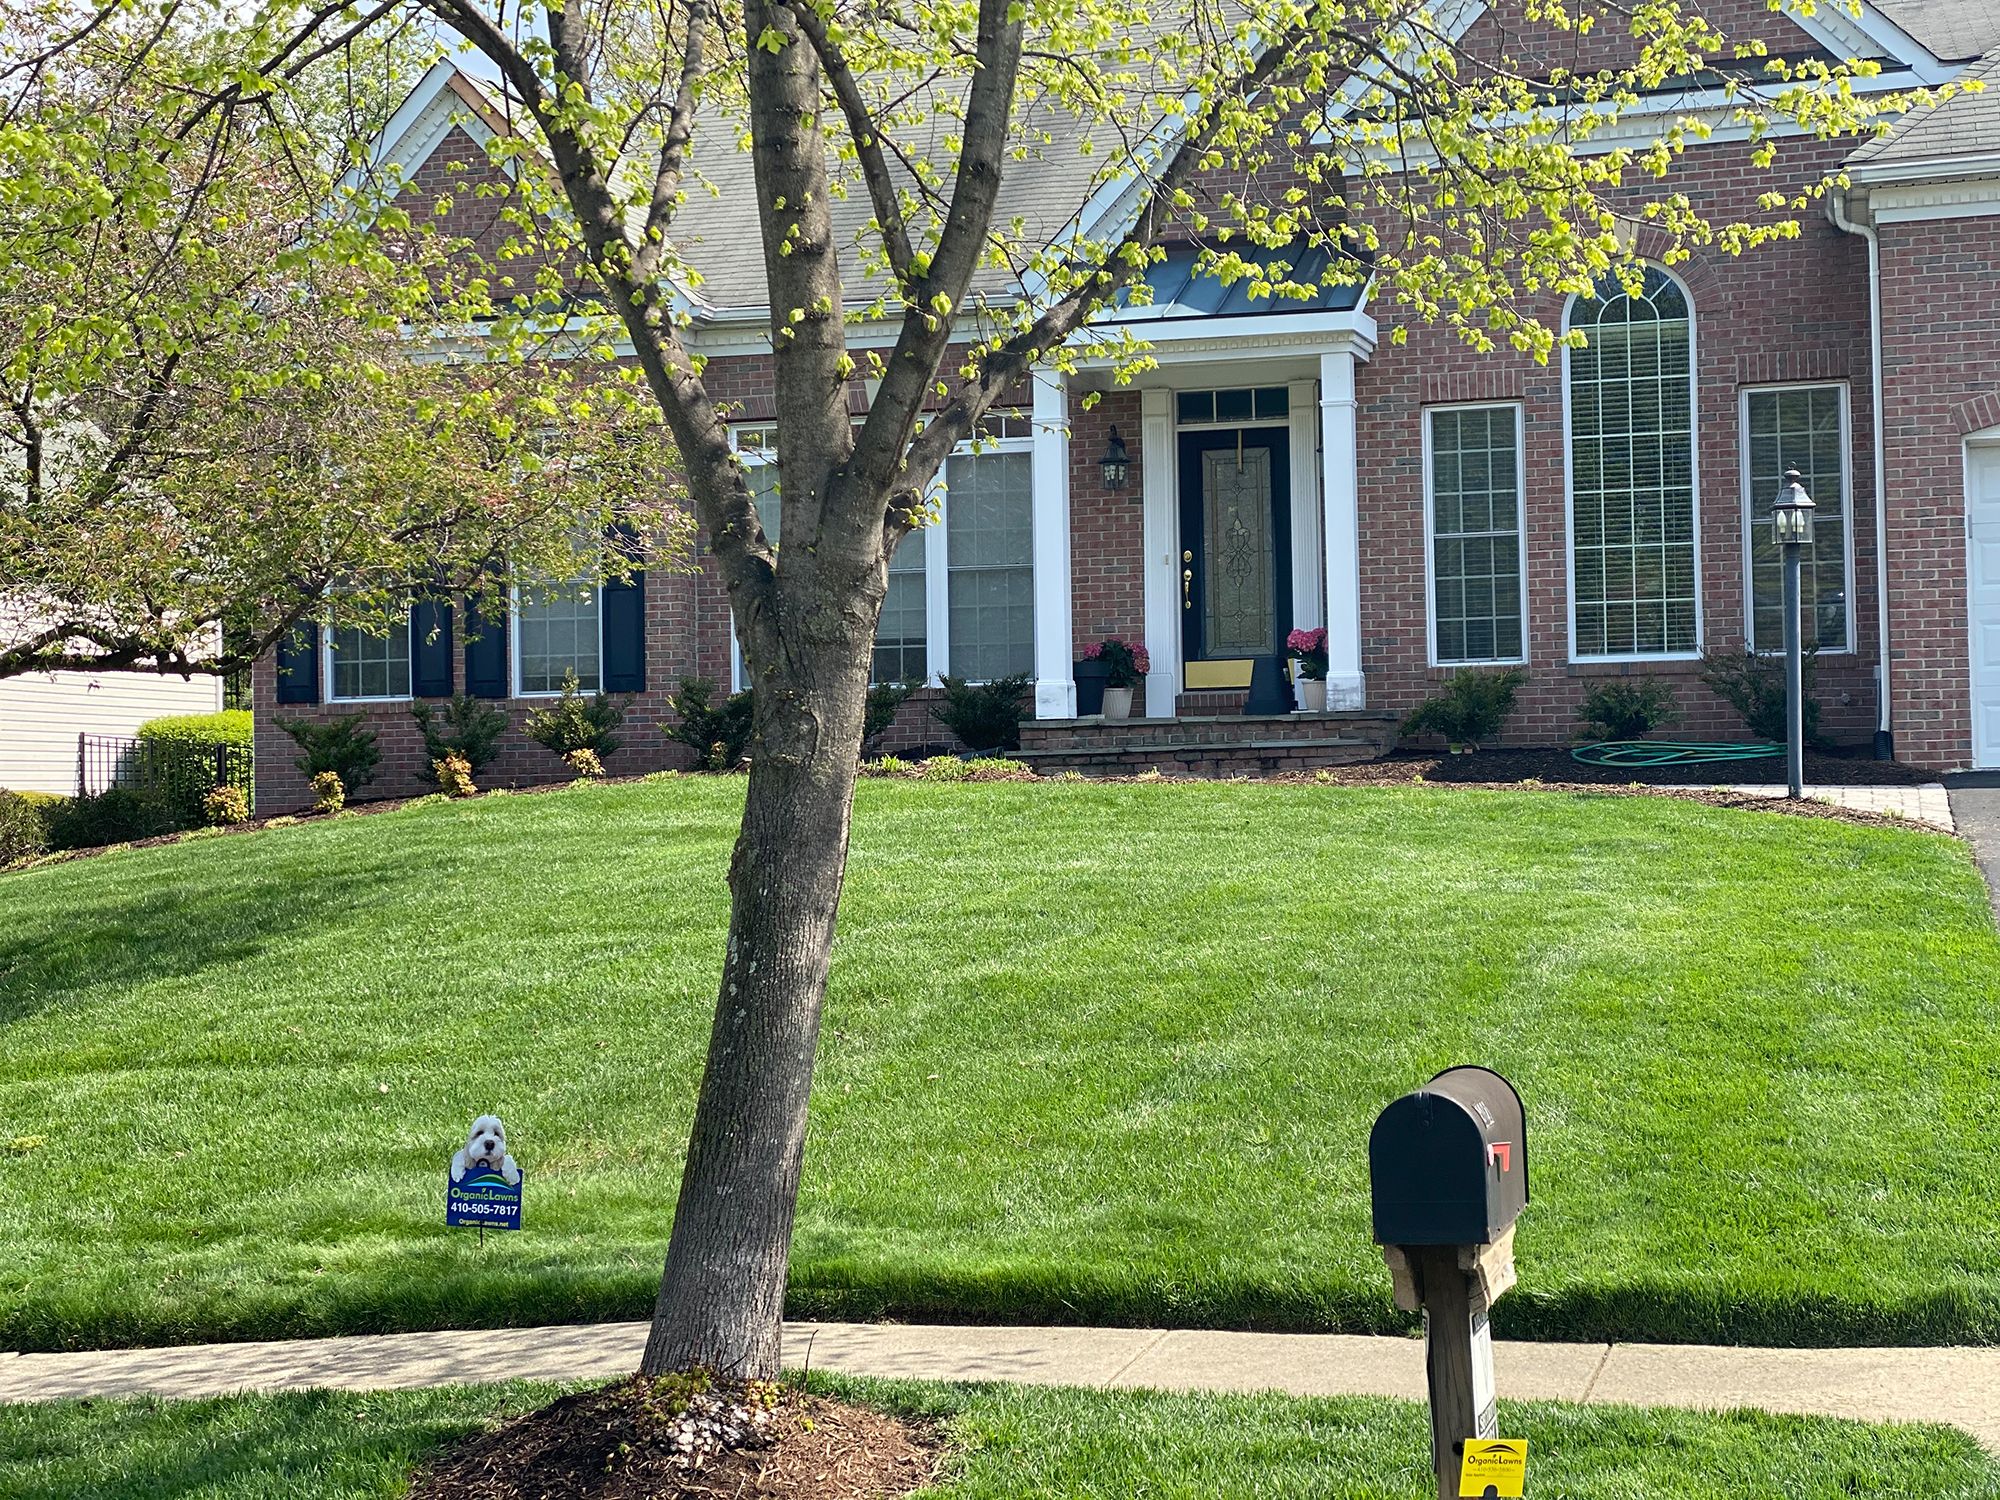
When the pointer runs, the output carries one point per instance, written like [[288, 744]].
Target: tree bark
[[722, 1297]]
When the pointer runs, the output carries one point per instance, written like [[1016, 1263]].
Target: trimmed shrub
[[716, 735], [24, 825], [1472, 707], [885, 701], [576, 722], [465, 726], [115, 816], [225, 805], [584, 764], [329, 796], [183, 756], [345, 746], [454, 775], [984, 715], [1626, 708], [1754, 685]]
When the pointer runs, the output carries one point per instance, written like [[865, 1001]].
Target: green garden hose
[[1669, 753]]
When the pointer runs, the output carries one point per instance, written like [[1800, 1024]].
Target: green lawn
[[1092, 1053], [1015, 1443]]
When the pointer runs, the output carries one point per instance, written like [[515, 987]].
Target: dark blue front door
[[1236, 543]]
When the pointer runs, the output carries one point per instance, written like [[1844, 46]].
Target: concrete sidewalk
[[1961, 1386]]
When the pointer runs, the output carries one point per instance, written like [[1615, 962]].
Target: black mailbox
[[1448, 1164]]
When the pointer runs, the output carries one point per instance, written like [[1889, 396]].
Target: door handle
[[1187, 588]]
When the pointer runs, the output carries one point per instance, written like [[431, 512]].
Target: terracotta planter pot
[[1117, 703]]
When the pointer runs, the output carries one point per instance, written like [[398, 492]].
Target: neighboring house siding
[[41, 716]]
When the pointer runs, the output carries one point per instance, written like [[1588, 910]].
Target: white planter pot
[[1312, 694], [1117, 703]]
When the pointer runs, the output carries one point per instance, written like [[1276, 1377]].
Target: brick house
[[1601, 515]]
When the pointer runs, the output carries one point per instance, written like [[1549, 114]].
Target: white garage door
[[1982, 526]]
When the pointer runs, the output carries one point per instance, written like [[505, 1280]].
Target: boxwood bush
[[186, 756]]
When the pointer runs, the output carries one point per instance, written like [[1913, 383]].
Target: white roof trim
[[417, 128]]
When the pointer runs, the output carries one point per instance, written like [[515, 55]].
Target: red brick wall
[[1941, 373], [1792, 311], [1106, 526]]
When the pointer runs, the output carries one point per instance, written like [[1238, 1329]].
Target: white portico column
[[1340, 457], [1055, 681], [1162, 532]]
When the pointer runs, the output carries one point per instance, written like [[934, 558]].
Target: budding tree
[[218, 403]]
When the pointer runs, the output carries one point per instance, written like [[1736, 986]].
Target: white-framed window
[[558, 631], [1634, 555], [989, 524], [1803, 427], [961, 594], [363, 667], [1473, 489]]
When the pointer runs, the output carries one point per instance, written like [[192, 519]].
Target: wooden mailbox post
[[1448, 1174]]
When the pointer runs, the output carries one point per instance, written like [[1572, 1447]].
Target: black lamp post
[[1792, 527], [1115, 462]]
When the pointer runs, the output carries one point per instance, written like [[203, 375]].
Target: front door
[[1982, 567], [1236, 552]]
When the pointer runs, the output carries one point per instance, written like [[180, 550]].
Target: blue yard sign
[[484, 1198]]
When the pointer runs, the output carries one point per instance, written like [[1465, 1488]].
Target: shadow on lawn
[[168, 1449], [179, 926]]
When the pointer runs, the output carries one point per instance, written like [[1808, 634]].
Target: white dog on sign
[[486, 1146]]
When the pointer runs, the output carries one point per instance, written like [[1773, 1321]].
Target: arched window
[[1632, 495]]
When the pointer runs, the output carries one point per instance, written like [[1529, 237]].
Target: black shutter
[[623, 602], [430, 649], [298, 664], [485, 653]]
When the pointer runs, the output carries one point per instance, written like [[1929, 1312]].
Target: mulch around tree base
[[622, 1442]]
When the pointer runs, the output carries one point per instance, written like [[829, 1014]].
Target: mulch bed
[[1507, 766], [618, 1443]]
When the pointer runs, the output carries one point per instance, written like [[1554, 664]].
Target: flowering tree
[[1466, 186]]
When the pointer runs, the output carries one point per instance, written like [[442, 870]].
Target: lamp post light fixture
[[1116, 462], [1792, 528]]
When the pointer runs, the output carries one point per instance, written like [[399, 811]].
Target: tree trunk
[[722, 1297]]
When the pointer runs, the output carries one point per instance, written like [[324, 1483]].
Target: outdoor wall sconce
[[1116, 462]]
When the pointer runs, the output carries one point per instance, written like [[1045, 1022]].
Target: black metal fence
[[182, 773]]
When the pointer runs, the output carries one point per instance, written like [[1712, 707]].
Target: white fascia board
[[1867, 36], [1924, 169], [417, 128], [1971, 197], [1188, 340]]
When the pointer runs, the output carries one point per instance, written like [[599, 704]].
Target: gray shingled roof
[[717, 232], [1964, 125], [1955, 30]]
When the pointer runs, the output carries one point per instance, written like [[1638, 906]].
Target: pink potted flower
[[1126, 665], [1307, 649]]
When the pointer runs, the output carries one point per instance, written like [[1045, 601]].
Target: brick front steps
[[1208, 745]]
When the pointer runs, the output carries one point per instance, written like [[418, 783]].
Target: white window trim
[[1694, 485], [514, 688], [1743, 396], [937, 553], [1520, 533], [327, 679]]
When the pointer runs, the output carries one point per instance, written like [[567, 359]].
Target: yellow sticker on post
[[1494, 1466]]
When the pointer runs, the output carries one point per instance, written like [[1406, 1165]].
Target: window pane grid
[[1632, 534], [371, 666], [1798, 428], [558, 636], [1476, 535], [989, 538]]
